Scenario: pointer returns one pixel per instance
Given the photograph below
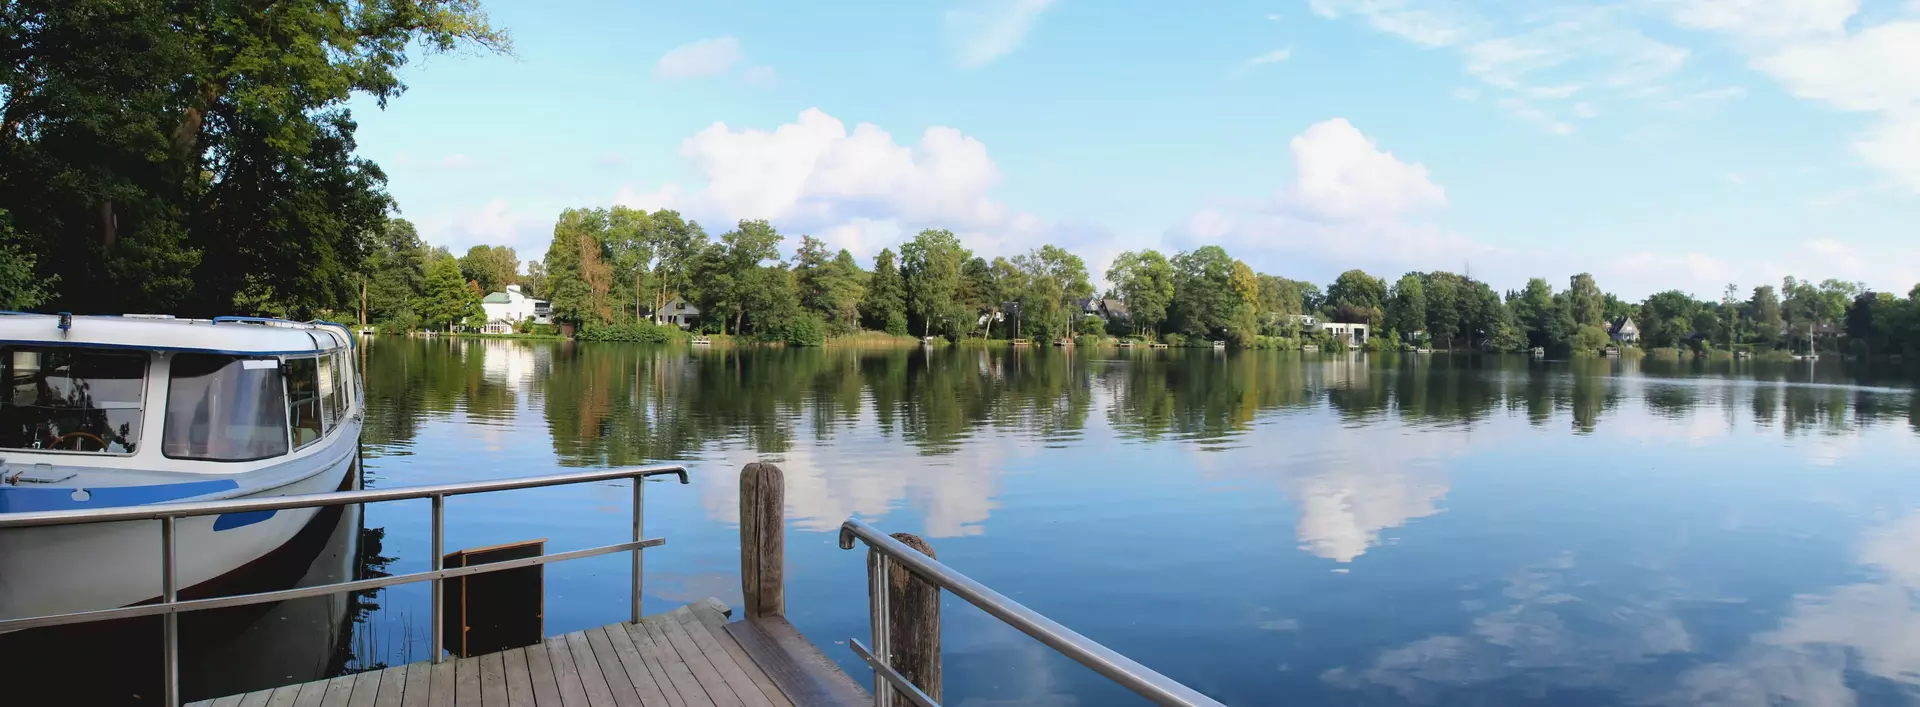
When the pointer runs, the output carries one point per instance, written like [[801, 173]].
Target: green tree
[[1204, 300], [735, 279], [1407, 304], [578, 279], [183, 156], [1546, 320], [1588, 304], [677, 246], [493, 267], [828, 286], [979, 292], [396, 275], [886, 301], [1356, 296], [534, 284], [21, 287], [1144, 281], [1052, 279], [628, 251], [1763, 308], [931, 264], [447, 300]]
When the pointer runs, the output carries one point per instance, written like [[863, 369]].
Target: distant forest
[[614, 267]]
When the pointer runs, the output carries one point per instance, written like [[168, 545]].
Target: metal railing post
[[171, 620], [439, 539], [882, 629], [639, 514]]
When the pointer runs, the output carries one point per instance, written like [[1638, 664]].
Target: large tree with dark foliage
[[193, 156]]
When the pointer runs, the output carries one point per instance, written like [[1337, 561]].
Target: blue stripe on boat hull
[[229, 521], [25, 499]]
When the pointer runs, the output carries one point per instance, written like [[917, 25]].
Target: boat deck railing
[[1142, 680], [171, 606]]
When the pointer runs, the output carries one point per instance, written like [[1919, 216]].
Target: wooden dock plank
[[710, 613], [573, 692], [599, 694], [635, 666], [650, 659], [419, 676], [466, 682], [678, 674], [748, 693], [624, 694], [697, 660], [688, 657], [339, 690], [493, 680], [284, 696], [519, 685], [441, 692], [310, 694], [256, 699], [393, 687], [546, 692], [366, 688], [805, 674]]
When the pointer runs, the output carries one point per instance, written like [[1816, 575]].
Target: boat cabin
[[164, 394]]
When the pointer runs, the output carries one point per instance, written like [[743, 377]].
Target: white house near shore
[[505, 309]]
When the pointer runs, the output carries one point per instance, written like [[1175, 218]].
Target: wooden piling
[[914, 618], [763, 547]]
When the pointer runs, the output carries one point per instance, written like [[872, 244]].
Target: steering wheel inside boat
[[77, 436]]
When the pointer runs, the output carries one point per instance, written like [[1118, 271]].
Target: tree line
[[616, 267]]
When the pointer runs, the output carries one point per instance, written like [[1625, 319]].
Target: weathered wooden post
[[763, 546], [913, 620]]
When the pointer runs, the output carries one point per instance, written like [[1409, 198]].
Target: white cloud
[[493, 222], [701, 59], [1810, 48], [1427, 24], [1342, 175], [1273, 57], [1541, 58], [761, 76], [1351, 204], [1766, 18], [981, 31], [458, 161], [814, 174]]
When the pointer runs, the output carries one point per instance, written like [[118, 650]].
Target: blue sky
[[1655, 143]]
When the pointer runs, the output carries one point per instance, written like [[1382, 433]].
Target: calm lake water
[[1268, 528]]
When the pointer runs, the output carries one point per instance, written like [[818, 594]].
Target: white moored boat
[[109, 412]]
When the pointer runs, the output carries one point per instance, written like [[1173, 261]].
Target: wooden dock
[[688, 657]]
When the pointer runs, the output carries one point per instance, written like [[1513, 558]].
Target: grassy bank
[[873, 339]]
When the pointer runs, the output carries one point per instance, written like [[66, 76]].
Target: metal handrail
[[170, 606], [1142, 680]]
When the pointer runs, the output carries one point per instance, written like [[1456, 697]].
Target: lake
[[1268, 528]]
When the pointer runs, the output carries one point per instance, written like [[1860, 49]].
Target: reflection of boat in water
[[223, 651], [111, 412]]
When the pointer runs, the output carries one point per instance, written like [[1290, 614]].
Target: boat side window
[[224, 408], [329, 394], [71, 399], [303, 400]]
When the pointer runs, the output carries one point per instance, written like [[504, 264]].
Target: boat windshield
[[225, 408], [71, 399]]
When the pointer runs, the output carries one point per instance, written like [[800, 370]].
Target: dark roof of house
[[1620, 323], [1114, 307]]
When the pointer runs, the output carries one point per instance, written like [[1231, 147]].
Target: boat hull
[[62, 569]]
